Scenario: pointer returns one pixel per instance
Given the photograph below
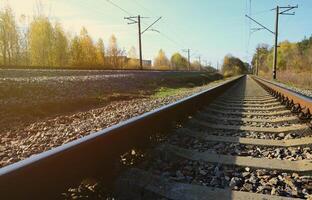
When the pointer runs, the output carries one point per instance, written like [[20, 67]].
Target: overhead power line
[[264, 27], [179, 44], [120, 8]]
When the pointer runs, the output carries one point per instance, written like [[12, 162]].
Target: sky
[[210, 28]]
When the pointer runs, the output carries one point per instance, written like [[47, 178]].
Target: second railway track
[[244, 145]]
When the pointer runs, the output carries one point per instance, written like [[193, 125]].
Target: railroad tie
[[140, 184], [303, 141], [298, 127], [303, 166]]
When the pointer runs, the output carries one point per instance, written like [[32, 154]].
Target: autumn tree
[[133, 61], [59, 46], [23, 41], [75, 52], [40, 41], [88, 50], [260, 58], [115, 55], [100, 52], [233, 66], [161, 61], [9, 37], [178, 62], [290, 57], [195, 65]]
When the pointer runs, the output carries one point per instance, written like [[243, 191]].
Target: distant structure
[[125, 62], [147, 64]]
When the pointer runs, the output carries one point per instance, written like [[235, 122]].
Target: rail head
[[298, 102], [51, 172]]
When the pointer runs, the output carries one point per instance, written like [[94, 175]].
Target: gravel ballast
[[23, 141]]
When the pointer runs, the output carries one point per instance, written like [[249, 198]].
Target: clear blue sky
[[211, 28]]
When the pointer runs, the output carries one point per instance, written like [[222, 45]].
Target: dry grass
[[302, 79], [298, 79]]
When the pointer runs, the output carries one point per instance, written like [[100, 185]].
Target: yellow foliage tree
[[161, 61], [9, 37], [100, 53]]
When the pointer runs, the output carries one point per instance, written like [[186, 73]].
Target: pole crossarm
[[288, 8], [132, 20], [152, 25], [154, 30], [260, 24]]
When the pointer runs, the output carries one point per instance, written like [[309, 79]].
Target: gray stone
[[253, 179], [273, 181], [214, 181], [248, 186], [202, 172], [281, 135], [235, 181], [245, 174]]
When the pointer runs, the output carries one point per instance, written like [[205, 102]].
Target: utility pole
[[278, 12], [188, 58], [140, 41], [275, 43], [137, 20], [199, 60], [257, 65]]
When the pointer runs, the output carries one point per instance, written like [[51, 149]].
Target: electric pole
[[188, 58], [284, 12], [257, 65], [137, 20], [140, 41], [278, 12], [275, 43], [199, 61]]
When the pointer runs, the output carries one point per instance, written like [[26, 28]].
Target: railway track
[[220, 153], [245, 139]]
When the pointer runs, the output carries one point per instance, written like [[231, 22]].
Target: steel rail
[[46, 175], [286, 94]]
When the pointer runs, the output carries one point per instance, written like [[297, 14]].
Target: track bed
[[234, 141]]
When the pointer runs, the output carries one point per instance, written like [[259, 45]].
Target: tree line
[[38, 42], [292, 56], [45, 44], [176, 62], [233, 66]]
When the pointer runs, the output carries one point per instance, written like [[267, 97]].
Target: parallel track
[[235, 141]]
